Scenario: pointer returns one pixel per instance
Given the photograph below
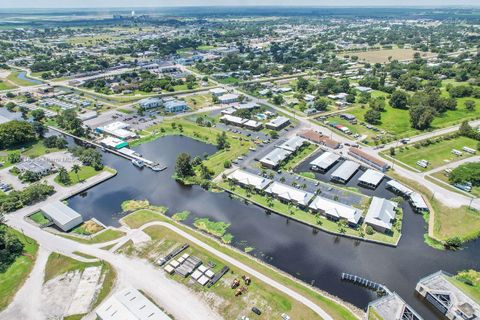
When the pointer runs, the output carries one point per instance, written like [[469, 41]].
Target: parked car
[[256, 311]]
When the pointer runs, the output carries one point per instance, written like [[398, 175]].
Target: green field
[[32, 150], [441, 175], [83, 174], [199, 101], [437, 154], [14, 277], [39, 218], [228, 80], [4, 85], [139, 218]]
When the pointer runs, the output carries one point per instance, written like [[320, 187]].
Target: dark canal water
[[313, 257]]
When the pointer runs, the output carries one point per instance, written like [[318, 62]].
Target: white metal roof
[[276, 156], [372, 177], [293, 144], [346, 170], [289, 193], [278, 121], [381, 212], [250, 179], [417, 201], [336, 209], [399, 187], [130, 304], [325, 160], [233, 119], [60, 212]]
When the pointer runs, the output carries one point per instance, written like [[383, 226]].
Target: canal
[[314, 257]]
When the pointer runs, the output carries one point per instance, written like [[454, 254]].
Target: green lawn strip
[[469, 282], [39, 218], [83, 174], [104, 236], [336, 310], [4, 85], [448, 222], [299, 156], [14, 277], [317, 221], [13, 77], [373, 315], [272, 302], [143, 216], [84, 255], [438, 153]]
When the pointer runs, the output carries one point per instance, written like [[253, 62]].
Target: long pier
[[380, 288], [127, 155]]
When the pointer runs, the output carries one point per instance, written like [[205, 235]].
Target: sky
[[160, 3]]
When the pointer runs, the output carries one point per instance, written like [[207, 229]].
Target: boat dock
[[380, 288], [126, 153]]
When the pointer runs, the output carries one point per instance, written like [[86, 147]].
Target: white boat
[[138, 163]]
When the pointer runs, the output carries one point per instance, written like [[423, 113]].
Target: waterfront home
[[289, 194], [381, 214], [249, 180], [391, 306], [450, 300], [335, 210]]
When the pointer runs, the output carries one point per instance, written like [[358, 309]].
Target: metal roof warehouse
[[62, 215]]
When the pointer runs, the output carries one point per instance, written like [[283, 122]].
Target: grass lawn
[[299, 156], [336, 310], [472, 289], [105, 236], [4, 85], [437, 154], [181, 216], [442, 176], [13, 77], [228, 80], [39, 218], [140, 217], [315, 220], [449, 222], [31, 150], [199, 101], [14, 277], [215, 228], [238, 144], [83, 174]]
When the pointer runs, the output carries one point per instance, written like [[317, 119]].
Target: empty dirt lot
[[381, 56]]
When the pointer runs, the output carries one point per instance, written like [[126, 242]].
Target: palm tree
[[75, 169]]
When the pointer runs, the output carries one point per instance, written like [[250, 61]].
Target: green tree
[[183, 166], [63, 176], [470, 105], [399, 99], [222, 142], [372, 116], [15, 133], [421, 116], [76, 169]]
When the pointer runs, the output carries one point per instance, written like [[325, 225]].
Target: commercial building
[[286, 193], [130, 304], [335, 210], [117, 129], [253, 125], [38, 166], [218, 92], [293, 144], [440, 291], [228, 98], [150, 103], [319, 138], [381, 214], [278, 123], [391, 307], [62, 215], [345, 171], [368, 159], [114, 143], [371, 178], [173, 106], [275, 158], [234, 120], [247, 179], [324, 162]]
